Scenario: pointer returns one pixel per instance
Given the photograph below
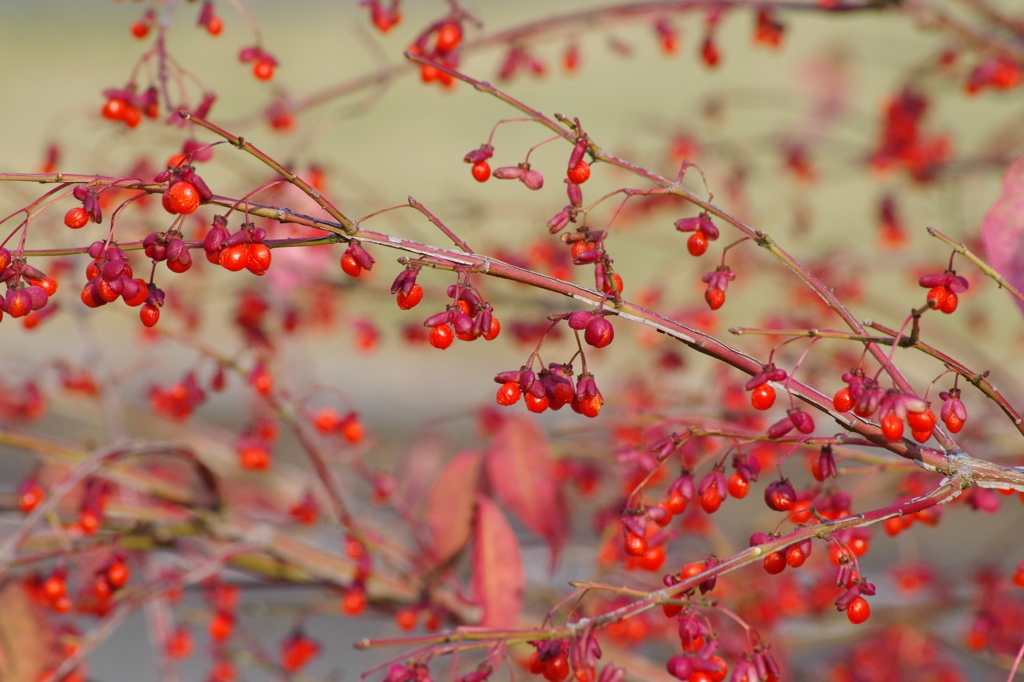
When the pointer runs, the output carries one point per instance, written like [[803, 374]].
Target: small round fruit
[[140, 29], [114, 109], [697, 244], [132, 116], [738, 486], [259, 258], [76, 218], [950, 303], [234, 258], [181, 197], [843, 400], [954, 423], [149, 314], [774, 563], [405, 302], [762, 397], [858, 610], [263, 69], [635, 545], [215, 25], [579, 173], [449, 35], [715, 298], [481, 171], [441, 336], [508, 393], [616, 281], [795, 556], [892, 427], [711, 499], [590, 406], [493, 332], [537, 405], [139, 298], [350, 266]]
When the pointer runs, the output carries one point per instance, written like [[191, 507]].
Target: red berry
[[254, 457], [354, 602], [715, 299], [590, 406], [481, 171], [118, 574], [47, 284], [407, 618], [496, 329], [774, 563], [89, 521], [1018, 575], [405, 302], [351, 429], [653, 558], [181, 197], [259, 258], [954, 423], [215, 25], [697, 244], [617, 281], [234, 258], [676, 503], [441, 336], [780, 496], [132, 117], [114, 109], [449, 35], [892, 427], [937, 296], [263, 69], [149, 314], [30, 498], [738, 486], [221, 626], [350, 266], [795, 556], [711, 499], [54, 587], [709, 52], [763, 397], [140, 297], [921, 421], [179, 645], [509, 393], [858, 610], [843, 400], [599, 332], [579, 173], [178, 266], [76, 217], [950, 303], [635, 545], [537, 405], [140, 29]]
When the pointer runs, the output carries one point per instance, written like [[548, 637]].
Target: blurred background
[[783, 136]]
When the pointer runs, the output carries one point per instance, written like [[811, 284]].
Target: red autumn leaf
[[450, 505], [522, 473], [498, 578], [30, 643], [1002, 230]]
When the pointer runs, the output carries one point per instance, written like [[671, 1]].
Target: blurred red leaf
[[28, 640], [1002, 230], [450, 505], [522, 473], [497, 567]]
